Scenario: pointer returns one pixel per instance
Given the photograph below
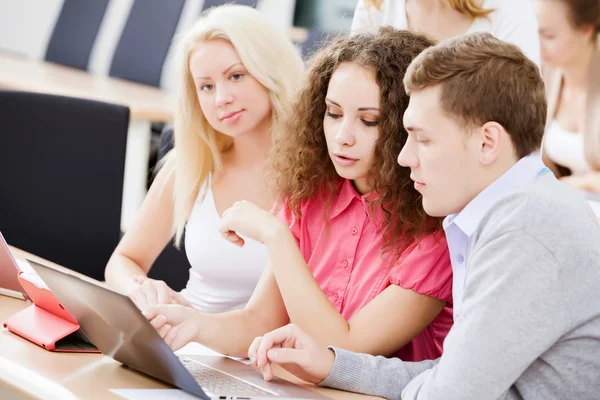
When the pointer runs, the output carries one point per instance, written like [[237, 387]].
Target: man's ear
[[493, 136]]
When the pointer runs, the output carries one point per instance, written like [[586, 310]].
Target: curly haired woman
[[353, 258]]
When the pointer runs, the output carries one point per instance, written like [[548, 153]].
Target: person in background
[[236, 73], [570, 46], [524, 247], [350, 248], [509, 20]]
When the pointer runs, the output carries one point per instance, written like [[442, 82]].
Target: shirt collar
[[346, 194], [524, 171]]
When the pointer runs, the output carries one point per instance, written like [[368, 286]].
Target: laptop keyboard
[[218, 383]]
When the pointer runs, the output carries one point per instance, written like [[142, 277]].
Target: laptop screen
[[9, 270]]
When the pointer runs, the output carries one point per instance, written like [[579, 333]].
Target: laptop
[[9, 272], [119, 330]]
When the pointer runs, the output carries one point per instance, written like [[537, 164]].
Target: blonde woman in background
[[569, 36], [509, 20], [236, 72]]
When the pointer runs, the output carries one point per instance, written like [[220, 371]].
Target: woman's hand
[[245, 218], [295, 351], [176, 324], [151, 292]]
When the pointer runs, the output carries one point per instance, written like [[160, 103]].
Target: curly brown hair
[[300, 159]]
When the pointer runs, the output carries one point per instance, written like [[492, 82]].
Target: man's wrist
[[345, 370], [327, 365]]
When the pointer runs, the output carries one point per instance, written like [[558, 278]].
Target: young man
[[525, 248]]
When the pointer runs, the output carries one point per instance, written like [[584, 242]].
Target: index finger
[[273, 339], [234, 238], [151, 312], [253, 348]]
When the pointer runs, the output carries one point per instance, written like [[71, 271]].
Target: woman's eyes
[[209, 86], [364, 121]]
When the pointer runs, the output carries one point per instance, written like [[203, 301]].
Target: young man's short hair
[[485, 79]]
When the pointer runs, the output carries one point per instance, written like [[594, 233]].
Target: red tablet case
[[47, 323]]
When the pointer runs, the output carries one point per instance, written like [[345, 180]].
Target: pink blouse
[[345, 257]]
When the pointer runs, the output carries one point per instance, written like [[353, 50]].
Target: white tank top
[[222, 275], [566, 148]]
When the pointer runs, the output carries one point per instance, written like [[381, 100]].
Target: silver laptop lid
[[118, 328]]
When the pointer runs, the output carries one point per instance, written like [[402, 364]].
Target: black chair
[[62, 162], [145, 41], [172, 266], [75, 32], [167, 141], [215, 3]]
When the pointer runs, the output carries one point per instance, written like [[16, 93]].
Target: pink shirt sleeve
[[425, 268]]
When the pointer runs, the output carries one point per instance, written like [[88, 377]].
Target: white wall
[[279, 12], [26, 25]]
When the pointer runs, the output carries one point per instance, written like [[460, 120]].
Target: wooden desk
[[147, 104], [27, 371]]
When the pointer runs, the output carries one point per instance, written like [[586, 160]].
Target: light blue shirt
[[460, 227]]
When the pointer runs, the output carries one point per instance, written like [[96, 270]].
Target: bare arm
[[232, 333], [149, 234], [310, 309], [229, 333]]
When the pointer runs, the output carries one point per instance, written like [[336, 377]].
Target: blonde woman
[[570, 44], [236, 72], [509, 20]]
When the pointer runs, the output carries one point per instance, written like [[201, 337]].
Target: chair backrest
[[75, 32], [145, 40], [214, 3], [167, 142], [172, 266], [62, 161]]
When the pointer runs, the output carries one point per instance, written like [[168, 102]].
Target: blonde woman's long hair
[[267, 54], [471, 8]]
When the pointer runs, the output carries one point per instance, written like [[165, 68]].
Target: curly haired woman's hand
[[247, 219]]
